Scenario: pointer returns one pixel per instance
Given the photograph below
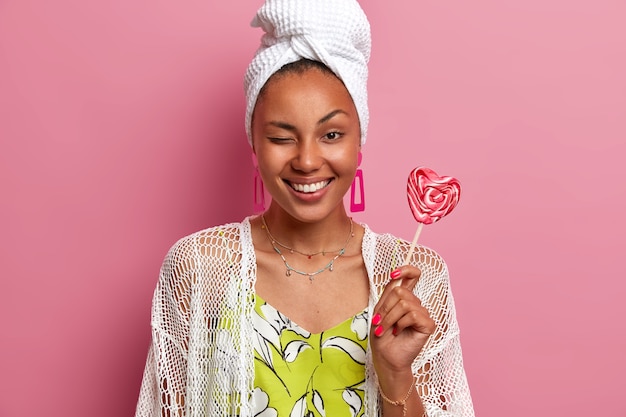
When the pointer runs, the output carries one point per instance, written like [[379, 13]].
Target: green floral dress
[[303, 374]]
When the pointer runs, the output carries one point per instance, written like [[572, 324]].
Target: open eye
[[334, 135]]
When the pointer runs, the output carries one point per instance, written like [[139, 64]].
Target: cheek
[[264, 164], [272, 164], [346, 162]]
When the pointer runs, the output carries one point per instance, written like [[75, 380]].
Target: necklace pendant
[[311, 275]]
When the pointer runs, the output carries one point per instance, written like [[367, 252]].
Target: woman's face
[[306, 136]]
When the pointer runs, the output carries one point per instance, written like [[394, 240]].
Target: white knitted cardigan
[[201, 363]]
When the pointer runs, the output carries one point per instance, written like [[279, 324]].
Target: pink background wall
[[121, 131]]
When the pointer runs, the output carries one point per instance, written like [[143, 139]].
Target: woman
[[300, 311]]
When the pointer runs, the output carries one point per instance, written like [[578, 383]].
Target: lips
[[310, 187]]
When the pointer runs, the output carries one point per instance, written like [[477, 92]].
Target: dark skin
[[306, 132]]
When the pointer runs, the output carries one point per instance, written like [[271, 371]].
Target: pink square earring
[[259, 189], [357, 199]]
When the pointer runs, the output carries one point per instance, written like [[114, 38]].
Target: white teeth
[[310, 188]]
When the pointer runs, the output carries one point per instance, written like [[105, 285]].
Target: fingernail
[[395, 273], [379, 330], [376, 319], [394, 331]]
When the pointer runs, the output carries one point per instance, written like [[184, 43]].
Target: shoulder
[[391, 251], [192, 261], [216, 244], [225, 235]]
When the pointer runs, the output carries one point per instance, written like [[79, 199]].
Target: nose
[[308, 157]]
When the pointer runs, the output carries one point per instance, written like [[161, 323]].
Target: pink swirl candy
[[431, 197]]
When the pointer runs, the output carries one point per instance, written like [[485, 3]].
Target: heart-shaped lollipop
[[431, 197]]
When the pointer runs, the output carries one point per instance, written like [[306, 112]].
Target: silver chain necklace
[[289, 268]]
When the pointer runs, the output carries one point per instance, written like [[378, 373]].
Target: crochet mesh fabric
[[200, 362]]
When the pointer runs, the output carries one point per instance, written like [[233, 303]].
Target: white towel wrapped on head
[[334, 32]]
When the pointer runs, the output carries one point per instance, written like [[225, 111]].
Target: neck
[[326, 234]]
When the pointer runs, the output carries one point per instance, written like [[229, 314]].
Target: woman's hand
[[400, 325]]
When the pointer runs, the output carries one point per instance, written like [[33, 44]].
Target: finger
[[398, 302], [418, 320], [406, 275]]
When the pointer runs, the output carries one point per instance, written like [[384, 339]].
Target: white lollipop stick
[[430, 197], [412, 247]]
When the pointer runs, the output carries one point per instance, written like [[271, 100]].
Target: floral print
[[303, 374]]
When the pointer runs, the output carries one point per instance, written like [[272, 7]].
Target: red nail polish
[[395, 273], [376, 319], [379, 330], [395, 331]]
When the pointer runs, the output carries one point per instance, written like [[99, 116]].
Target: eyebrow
[[287, 126], [330, 116]]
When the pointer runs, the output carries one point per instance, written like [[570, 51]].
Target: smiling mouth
[[309, 188]]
